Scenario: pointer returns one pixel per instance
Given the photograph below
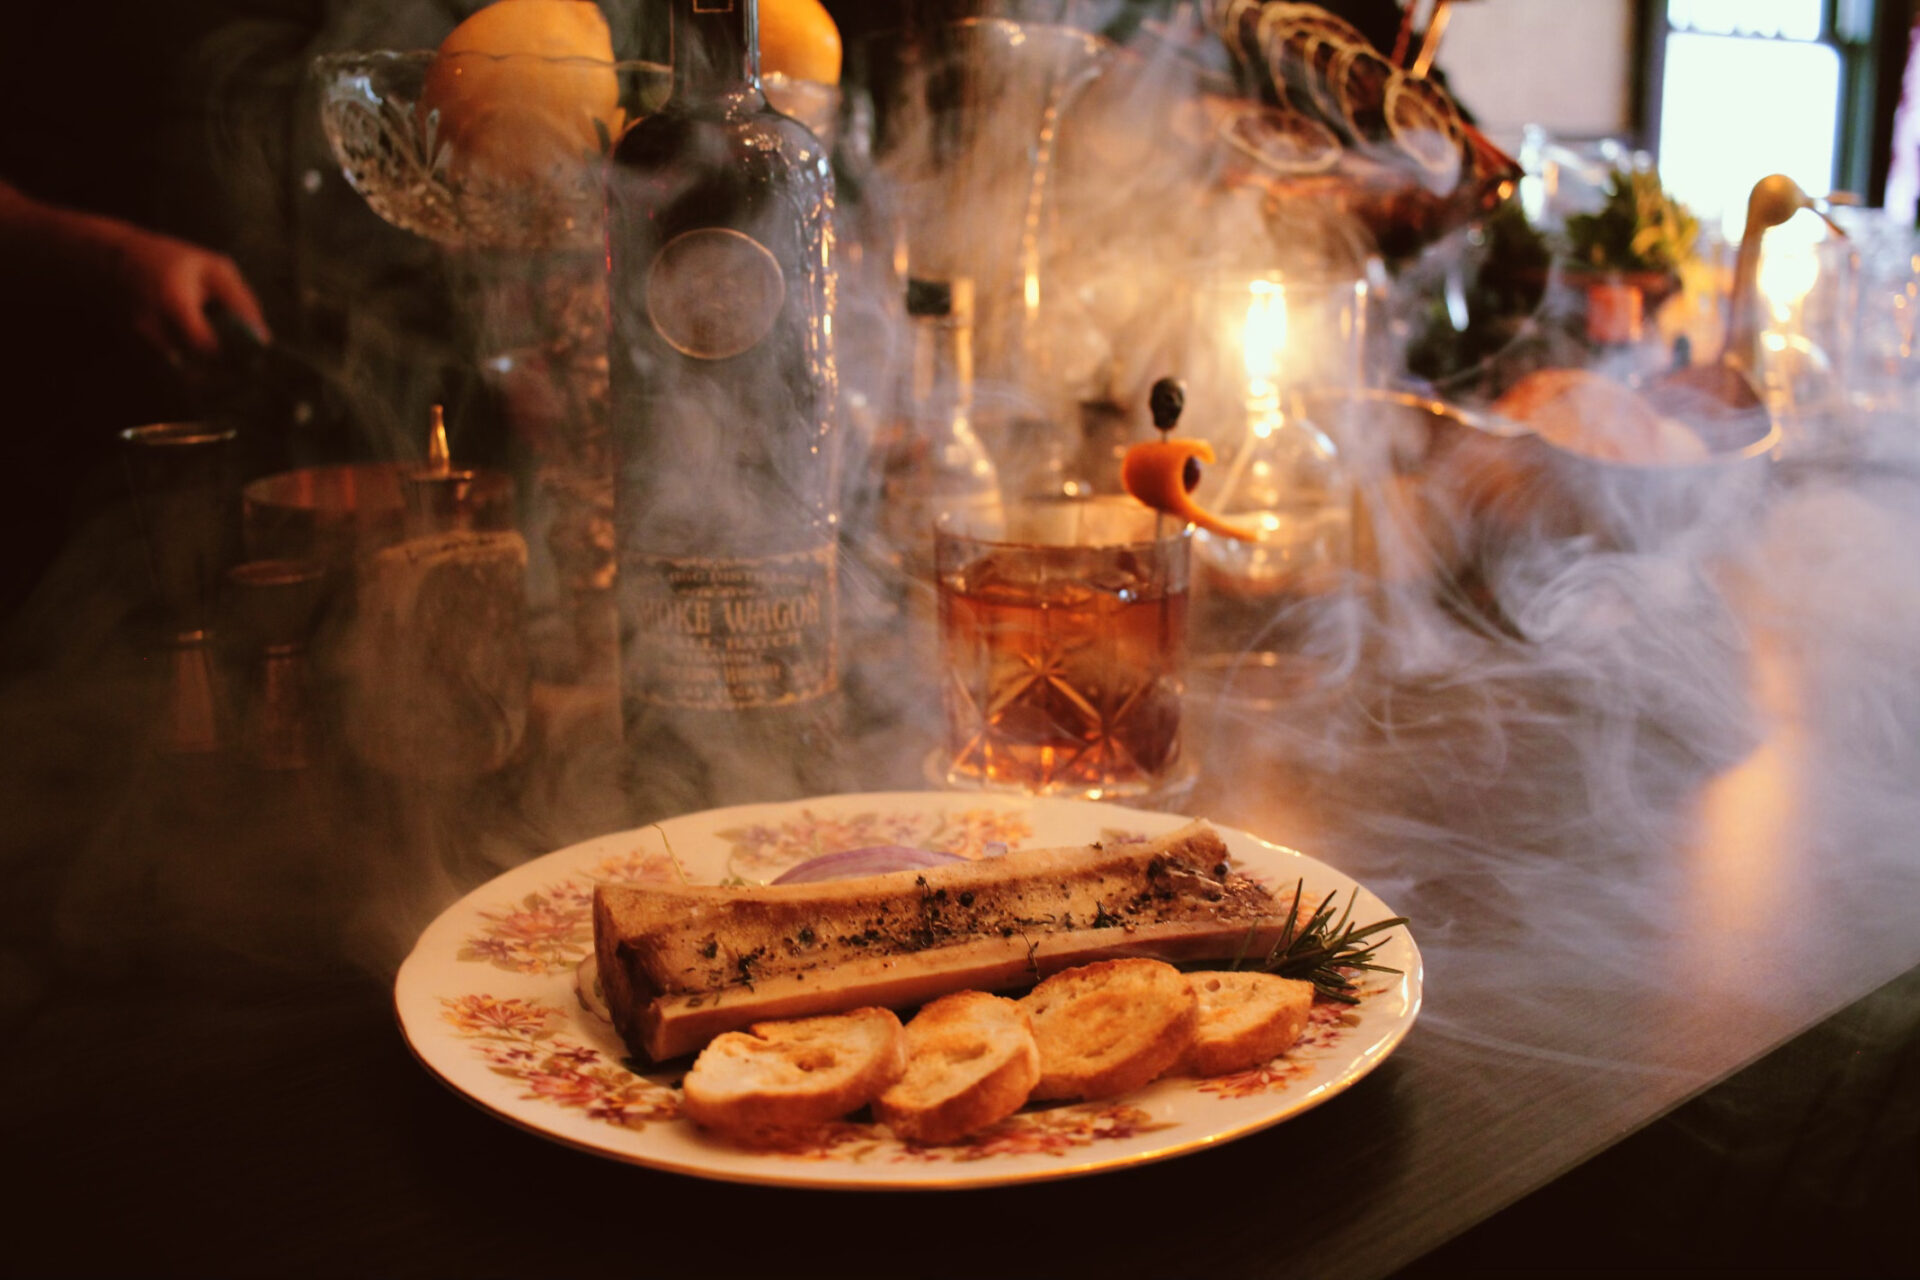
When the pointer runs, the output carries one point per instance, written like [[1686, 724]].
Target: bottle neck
[[716, 52], [942, 372]]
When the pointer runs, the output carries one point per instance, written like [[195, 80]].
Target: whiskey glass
[[1063, 629]]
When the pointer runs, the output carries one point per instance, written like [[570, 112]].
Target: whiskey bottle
[[721, 284]]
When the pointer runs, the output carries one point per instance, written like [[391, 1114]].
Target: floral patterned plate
[[487, 1000]]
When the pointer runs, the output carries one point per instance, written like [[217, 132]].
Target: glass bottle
[[1277, 612], [932, 461], [721, 284]]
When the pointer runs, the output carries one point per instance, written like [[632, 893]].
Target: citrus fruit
[[799, 40], [524, 90]]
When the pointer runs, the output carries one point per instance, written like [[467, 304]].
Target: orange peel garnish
[[1155, 472]]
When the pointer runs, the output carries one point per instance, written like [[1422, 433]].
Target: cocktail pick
[[1167, 401]]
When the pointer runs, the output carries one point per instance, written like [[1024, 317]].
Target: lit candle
[[438, 497], [1263, 344]]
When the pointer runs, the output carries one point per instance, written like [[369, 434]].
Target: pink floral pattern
[[551, 930], [517, 1039], [764, 850], [1054, 1131], [1327, 1024]]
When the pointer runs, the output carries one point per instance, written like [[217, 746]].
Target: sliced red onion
[[873, 860]]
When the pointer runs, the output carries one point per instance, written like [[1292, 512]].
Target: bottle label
[[714, 292], [718, 634]]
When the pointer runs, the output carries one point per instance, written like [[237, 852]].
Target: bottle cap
[[951, 298], [929, 297]]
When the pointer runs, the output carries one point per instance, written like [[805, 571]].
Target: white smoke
[[1478, 727]]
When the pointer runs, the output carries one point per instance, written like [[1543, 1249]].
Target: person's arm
[[161, 286]]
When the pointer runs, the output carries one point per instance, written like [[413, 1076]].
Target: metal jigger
[[273, 606], [184, 479]]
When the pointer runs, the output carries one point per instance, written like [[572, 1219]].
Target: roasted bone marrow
[[681, 964]]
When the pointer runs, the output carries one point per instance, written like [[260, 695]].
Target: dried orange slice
[[1236, 23], [1426, 126], [1294, 43], [1284, 142], [1284, 55], [1281, 21], [1329, 56], [1359, 79]]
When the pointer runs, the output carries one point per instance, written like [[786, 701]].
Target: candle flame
[[439, 456], [1265, 337]]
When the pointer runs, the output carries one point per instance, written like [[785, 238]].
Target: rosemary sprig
[[1324, 949]]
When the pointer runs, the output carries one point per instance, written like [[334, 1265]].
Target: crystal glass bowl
[[397, 157]]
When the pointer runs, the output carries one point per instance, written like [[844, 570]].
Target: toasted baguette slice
[[971, 1061], [1246, 1019], [1107, 1028], [782, 1074]]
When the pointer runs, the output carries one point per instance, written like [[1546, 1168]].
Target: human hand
[[166, 287], [159, 287]]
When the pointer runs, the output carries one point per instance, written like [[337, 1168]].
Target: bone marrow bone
[[682, 963]]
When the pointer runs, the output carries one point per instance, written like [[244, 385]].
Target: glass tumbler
[[1063, 628]]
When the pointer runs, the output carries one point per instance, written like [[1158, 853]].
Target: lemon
[[798, 39], [524, 90]]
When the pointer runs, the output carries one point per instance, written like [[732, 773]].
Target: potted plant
[[1627, 255]]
